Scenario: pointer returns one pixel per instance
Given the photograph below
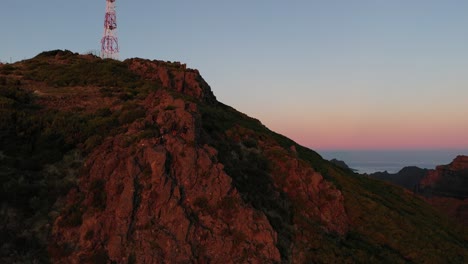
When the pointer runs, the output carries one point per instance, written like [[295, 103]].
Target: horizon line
[[464, 149]]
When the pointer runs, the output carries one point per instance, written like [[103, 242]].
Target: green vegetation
[[7, 69], [72, 216], [131, 112], [392, 221], [132, 259], [66, 69], [79, 71]]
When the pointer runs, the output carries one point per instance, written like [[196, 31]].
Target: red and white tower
[[109, 42]]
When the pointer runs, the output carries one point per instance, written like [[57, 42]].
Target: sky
[[330, 74]]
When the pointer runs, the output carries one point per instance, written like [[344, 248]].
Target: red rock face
[[173, 76], [446, 188], [161, 200], [432, 177], [460, 163], [448, 180]]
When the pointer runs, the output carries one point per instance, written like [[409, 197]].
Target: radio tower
[[109, 43]]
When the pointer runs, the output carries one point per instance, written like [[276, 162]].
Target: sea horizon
[[393, 160]]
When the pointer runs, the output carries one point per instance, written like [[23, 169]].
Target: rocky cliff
[[447, 180], [143, 165], [446, 188]]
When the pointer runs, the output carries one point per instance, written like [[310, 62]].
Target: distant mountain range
[[445, 187]]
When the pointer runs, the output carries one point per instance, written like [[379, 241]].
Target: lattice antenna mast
[[109, 42]]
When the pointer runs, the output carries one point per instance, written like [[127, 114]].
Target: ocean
[[392, 161]]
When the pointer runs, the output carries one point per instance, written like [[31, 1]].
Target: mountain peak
[[460, 163], [173, 75], [136, 162]]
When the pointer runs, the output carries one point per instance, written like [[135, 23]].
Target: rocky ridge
[[165, 173], [445, 187], [447, 180]]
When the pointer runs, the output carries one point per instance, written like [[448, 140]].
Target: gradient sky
[[361, 74]]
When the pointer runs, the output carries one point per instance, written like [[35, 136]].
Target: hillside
[[137, 162], [445, 187]]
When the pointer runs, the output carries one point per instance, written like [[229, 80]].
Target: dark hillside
[[408, 177]]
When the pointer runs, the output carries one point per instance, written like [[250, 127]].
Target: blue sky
[[330, 74]]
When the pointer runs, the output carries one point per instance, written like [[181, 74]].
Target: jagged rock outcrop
[[446, 188], [447, 180]]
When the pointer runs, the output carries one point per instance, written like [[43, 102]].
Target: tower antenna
[[109, 42]]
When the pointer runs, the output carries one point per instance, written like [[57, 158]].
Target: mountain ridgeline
[[105, 161], [445, 187]]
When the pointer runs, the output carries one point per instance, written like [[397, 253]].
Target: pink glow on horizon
[[381, 141], [407, 141], [329, 134]]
